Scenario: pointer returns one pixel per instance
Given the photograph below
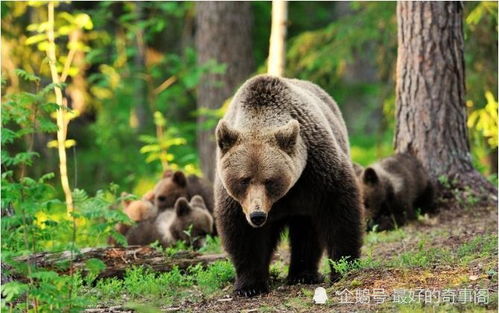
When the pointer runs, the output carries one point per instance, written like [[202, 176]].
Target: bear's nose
[[258, 218]]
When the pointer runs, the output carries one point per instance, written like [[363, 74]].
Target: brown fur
[[174, 185], [188, 221], [283, 158], [136, 210], [393, 188], [358, 169]]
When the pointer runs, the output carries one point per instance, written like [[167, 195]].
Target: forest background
[[140, 93], [133, 81]]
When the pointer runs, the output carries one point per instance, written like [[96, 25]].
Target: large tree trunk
[[223, 34], [431, 112]]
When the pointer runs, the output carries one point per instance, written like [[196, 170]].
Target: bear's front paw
[[308, 278], [251, 289]]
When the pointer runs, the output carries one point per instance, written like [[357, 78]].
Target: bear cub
[[136, 210], [188, 221], [174, 185], [393, 188]]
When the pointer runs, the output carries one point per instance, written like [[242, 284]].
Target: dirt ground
[[449, 229]]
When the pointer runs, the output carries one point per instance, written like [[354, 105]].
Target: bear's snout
[[258, 218]]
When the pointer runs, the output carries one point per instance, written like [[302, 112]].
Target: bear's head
[[192, 221], [138, 210], [172, 186], [377, 191], [259, 166]]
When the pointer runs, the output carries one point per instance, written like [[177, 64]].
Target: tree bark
[[118, 260], [223, 34], [431, 112]]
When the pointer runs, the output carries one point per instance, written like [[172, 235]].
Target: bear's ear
[[226, 137], [182, 207], [287, 136], [198, 201], [179, 179], [149, 196], [167, 173], [370, 176]]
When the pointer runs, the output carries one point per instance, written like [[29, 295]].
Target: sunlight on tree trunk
[[277, 49], [431, 111], [62, 123]]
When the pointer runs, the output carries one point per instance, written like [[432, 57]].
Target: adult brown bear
[[283, 160]]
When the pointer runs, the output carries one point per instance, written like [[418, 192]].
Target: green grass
[[214, 277], [384, 236], [141, 285], [479, 247]]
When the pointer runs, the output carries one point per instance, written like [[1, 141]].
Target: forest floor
[[444, 263]]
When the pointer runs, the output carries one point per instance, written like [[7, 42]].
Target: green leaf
[[95, 266], [27, 76], [8, 136], [35, 39], [13, 290]]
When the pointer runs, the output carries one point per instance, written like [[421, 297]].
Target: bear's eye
[[245, 181], [270, 183], [161, 198]]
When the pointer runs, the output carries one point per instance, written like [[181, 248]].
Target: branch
[[119, 259], [61, 117]]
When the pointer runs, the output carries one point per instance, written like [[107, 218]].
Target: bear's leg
[[251, 257], [250, 248], [340, 226], [306, 252], [426, 200]]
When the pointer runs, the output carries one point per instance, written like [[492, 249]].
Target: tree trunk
[[277, 46], [431, 112], [118, 260], [223, 34]]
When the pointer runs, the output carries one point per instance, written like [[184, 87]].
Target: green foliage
[[344, 266], [214, 277], [158, 148], [212, 245], [485, 120], [47, 292]]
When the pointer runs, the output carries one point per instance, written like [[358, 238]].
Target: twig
[[167, 83], [72, 52]]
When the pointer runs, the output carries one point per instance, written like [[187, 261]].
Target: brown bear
[[136, 210], [283, 160], [188, 221], [174, 185], [393, 188]]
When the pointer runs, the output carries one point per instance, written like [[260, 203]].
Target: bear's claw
[[305, 278], [251, 291]]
